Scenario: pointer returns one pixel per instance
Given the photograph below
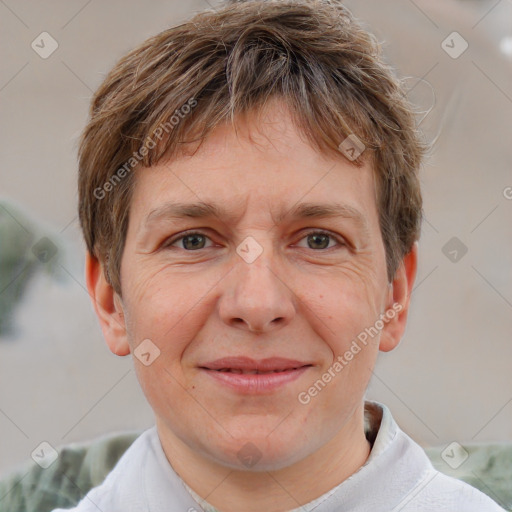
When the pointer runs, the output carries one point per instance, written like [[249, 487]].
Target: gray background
[[449, 380]]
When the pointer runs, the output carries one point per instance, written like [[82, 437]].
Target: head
[[248, 188]]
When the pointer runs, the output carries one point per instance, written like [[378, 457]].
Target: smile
[[247, 376], [254, 372]]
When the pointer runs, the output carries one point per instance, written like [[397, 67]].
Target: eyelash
[[170, 242]]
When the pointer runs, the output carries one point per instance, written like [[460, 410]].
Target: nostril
[[261, 328]]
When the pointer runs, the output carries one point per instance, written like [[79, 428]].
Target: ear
[[108, 307], [398, 301]]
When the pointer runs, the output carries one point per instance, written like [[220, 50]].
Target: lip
[[240, 373]]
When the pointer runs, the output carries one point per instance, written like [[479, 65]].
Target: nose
[[256, 296]]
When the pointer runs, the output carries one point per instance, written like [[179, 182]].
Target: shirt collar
[[380, 430]]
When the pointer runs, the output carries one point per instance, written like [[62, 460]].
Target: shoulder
[[444, 493], [406, 473], [78, 468], [122, 487]]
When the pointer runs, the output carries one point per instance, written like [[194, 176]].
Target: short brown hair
[[187, 80]]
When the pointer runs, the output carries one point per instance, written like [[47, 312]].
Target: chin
[[263, 453]]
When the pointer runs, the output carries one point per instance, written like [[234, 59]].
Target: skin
[[303, 298]]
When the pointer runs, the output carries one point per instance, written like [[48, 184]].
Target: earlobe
[[398, 301], [108, 307]]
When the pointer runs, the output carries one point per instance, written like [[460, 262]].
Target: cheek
[[151, 307], [339, 306], [167, 307], [163, 314]]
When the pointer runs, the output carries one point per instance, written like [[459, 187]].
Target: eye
[[189, 241], [195, 240], [321, 240]]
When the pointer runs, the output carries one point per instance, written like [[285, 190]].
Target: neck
[[231, 490]]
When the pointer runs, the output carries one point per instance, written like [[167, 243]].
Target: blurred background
[[450, 379]]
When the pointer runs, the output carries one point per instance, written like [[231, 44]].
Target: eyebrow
[[313, 210], [184, 210], [301, 211]]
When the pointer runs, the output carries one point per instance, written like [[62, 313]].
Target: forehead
[[262, 161]]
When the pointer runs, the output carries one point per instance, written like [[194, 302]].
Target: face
[[249, 270]]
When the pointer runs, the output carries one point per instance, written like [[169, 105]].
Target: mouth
[[247, 365], [250, 376], [255, 372]]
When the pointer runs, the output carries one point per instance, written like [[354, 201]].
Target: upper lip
[[248, 364]]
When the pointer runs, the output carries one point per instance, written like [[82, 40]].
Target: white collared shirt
[[397, 477]]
